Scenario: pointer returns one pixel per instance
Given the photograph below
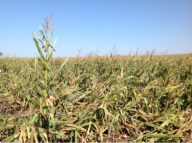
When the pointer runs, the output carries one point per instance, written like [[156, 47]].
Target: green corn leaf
[[3, 123], [85, 124], [84, 113], [172, 88], [88, 129], [55, 122], [129, 104], [140, 111], [75, 126], [5, 94], [172, 132], [106, 112], [129, 117], [152, 125], [126, 79], [28, 97], [167, 122], [50, 55], [51, 33], [42, 85], [84, 95], [33, 119], [15, 141], [41, 30], [41, 62], [118, 90], [52, 47], [163, 136], [9, 138], [69, 129], [76, 136], [27, 64], [39, 39], [34, 94], [34, 102], [45, 65], [71, 135], [56, 133], [60, 68], [86, 119], [54, 44], [66, 116], [96, 126], [8, 127], [35, 135], [1, 117], [40, 133], [38, 48], [133, 110]]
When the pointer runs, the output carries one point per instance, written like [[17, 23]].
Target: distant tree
[[1, 54]]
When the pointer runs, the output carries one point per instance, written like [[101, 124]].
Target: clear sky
[[130, 24]]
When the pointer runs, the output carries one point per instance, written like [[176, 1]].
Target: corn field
[[143, 98], [95, 99]]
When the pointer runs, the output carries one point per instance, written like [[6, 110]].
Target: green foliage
[[139, 98], [104, 99]]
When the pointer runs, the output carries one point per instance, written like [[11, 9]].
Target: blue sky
[[88, 24]]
